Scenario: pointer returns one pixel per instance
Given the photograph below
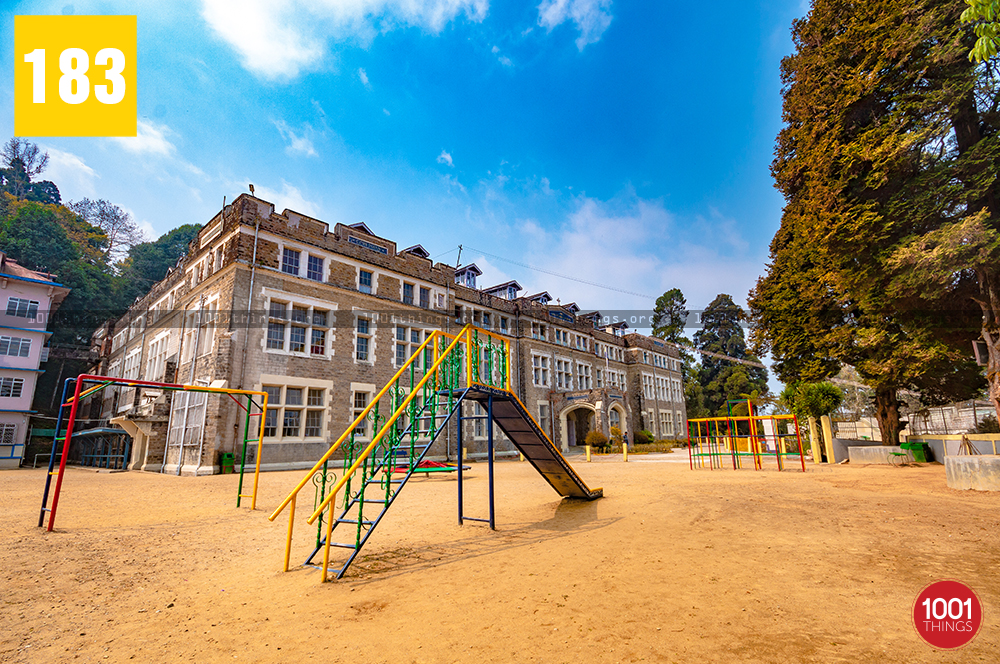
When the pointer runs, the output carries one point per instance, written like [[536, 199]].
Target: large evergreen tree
[[723, 380], [880, 115]]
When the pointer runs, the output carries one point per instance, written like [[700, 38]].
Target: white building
[[27, 300]]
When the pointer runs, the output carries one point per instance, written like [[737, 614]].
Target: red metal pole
[[65, 451], [777, 443], [690, 457]]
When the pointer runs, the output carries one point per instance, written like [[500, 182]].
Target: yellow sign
[[74, 76]]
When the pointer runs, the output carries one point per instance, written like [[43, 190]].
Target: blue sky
[[626, 143]]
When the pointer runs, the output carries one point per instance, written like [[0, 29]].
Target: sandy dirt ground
[[673, 565]]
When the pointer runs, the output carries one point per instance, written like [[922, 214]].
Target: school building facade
[[321, 318]]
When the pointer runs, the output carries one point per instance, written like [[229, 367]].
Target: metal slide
[[513, 419]]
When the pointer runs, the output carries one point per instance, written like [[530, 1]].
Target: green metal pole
[[243, 458]]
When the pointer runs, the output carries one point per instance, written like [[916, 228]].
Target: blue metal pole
[[489, 423], [52, 456]]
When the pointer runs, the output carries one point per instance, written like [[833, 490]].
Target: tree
[[878, 105], [117, 225], [812, 399], [148, 262], [670, 317], [22, 162], [723, 380], [985, 15]]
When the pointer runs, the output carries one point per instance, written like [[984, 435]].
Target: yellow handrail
[[333, 448], [385, 427]]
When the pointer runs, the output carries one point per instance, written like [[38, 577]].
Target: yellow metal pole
[[260, 450], [468, 357], [326, 550], [509, 376], [624, 451], [291, 523], [588, 453], [813, 443], [827, 437], [353, 425]]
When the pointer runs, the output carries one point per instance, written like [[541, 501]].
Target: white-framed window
[[118, 340], [543, 417], [157, 362], [294, 411], [290, 260], [363, 341], [666, 424], [504, 325], [8, 434], [11, 387], [478, 424], [598, 378], [314, 268], [425, 297], [564, 374], [297, 328], [15, 346], [562, 337], [540, 370], [408, 293], [366, 280], [678, 424], [539, 331], [407, 341], [583, 376], [615, 419], [648, 389], [131, 372], [22, 308], [581, 341], [359, 402]]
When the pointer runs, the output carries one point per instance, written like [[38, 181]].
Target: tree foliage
[[812, 399], [883, 142], [723, 380], [985, 15]]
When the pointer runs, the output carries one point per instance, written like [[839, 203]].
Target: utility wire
[[562, 276]]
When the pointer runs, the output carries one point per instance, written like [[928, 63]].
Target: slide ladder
[[405, 418]]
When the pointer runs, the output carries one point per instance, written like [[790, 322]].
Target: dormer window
[[511, 293], [470, 279]]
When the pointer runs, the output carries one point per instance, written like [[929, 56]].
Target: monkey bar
[[103, 382], [714, 440]]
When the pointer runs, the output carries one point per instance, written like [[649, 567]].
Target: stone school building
[[321, 318]]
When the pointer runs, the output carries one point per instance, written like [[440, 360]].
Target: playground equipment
[[711, 440], [406, 417], [251, 408]]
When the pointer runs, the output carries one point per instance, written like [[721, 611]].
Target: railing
[[407, 408]]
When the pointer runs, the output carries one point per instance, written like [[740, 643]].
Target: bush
[[988, 425], [596, 439], [642, 437], [616, 436]]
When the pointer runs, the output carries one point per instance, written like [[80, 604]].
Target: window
[[678, 425], [364, 336], [407, 293], [276, 336], [408, 340], [564, 375], [562, 337], [315, 398], [666, 426], [11, 387], [581, 341], [271, 419], [647, 386], [297, 340], [290, 423], [8, 434], [314, 423], [540, 370], [615, 418], [504, 325], [131, 372], [290, 261], [360, 403], [293, 396], [310, 329], [538, 331], [486, 320], [365, 281], [156, 364], [314, 268], [15, 346], [425, 297], [543, 417], [583, 376], [479, 424], [598, 378], [21, 308]]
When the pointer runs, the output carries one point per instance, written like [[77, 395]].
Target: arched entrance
[[576, 422], [616, 418]]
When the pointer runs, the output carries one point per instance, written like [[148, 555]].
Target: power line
[[562, 276]]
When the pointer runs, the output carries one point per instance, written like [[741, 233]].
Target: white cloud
[[71, 174], [386, 111], [592, 17], [296, 144], [279, 38], [445, 158], [364, 77], [505, 61], [150, 138], [148, 231], [289, 197]]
